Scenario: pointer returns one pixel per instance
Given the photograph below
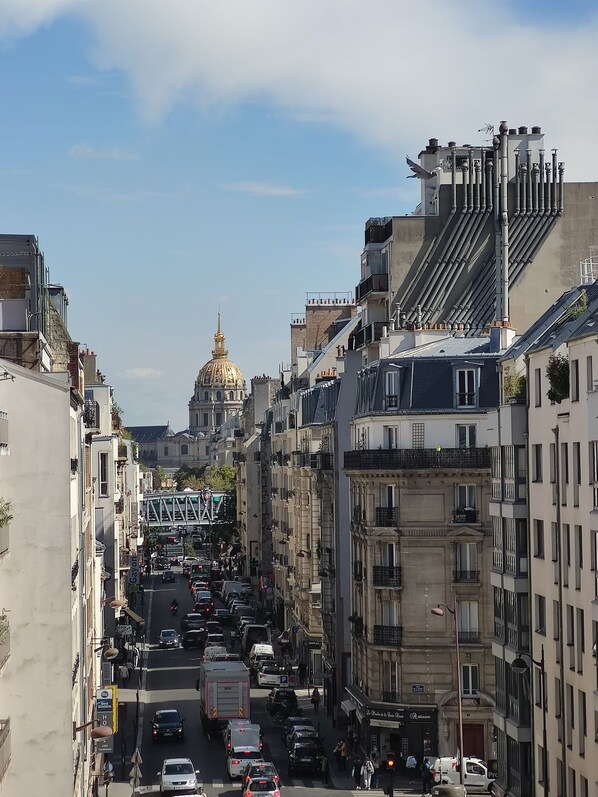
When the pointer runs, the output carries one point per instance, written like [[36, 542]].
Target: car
[[203, 608], [282, 699], [304, 735], [168, 577], [238, 758], [168, 638], [226, 657], [223, 615], [269, 674], [263, 769], [262, 786], [199, 585], [194, 639], [213, 627], [174, 561], [178, 776], [167, 723], [215, 587], [291, 723], [304, 756], [192, 622], [216, 640]]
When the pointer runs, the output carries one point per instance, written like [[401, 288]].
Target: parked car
[[216, 640], [304, 756], [167, 724], [304, 735], [178, 776], [168, 638], [168, 577], [290, 724], [238, 758], [215, 587], [261, 787], [194, 640], [268, 674], [193, 621], [213, 627], [282, 699], [263, 769], [223, 615]]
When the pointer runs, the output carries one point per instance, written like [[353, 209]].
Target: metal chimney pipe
[[524, 197], [528, 157], [495, 184], [504, 185], [561, 194], [517, 183], [454, 179], [554, 179], [535, 204], [476, 192], [541, 191], [470, 186], [489, 175], [548, 170]]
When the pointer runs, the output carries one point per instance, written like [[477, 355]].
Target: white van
[[210, 653], [229, 587], [260, 653], [476, 776], [254, 634]]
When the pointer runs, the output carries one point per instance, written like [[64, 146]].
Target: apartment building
[[419, 474]]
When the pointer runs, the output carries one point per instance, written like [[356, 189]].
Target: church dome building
[[220, 390]]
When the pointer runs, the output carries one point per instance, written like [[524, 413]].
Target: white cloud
[[263, 189], [141, 373], [393, 73], [95, 153]]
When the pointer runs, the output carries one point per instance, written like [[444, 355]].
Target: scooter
[[174, 609]]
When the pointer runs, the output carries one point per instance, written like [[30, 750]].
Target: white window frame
[[470, 680], [391, 437], [466, 556], [389, 613], [468, 616], [466, 397], [391, 388], [103, 471], [468, 492], [469, 433]]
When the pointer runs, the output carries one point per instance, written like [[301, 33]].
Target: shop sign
[[403, 714]]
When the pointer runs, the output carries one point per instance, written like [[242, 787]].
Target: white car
[[238, 758], [271, 675], [178, 776]]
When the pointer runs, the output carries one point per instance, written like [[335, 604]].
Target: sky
[[177, 157]]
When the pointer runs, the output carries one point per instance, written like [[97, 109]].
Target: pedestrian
[[427, 777], [324, 770], [367, 770], [411, 767], [142, 594], [350, 740], [357, 772], [375, 759], [301, 672], [337, 755], [130, 667], [344, 752], [123, 673], [315, 699]]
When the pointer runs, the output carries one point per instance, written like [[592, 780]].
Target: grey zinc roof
[[449, 347], [147, 434]]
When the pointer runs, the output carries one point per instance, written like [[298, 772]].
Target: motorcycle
[[174, 609]]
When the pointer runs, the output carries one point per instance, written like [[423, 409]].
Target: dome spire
[[219, 350]]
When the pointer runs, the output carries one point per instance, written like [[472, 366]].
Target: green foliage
[[221, 478], [580, 306], [557, 372], [159, 477], [514, 385], [5, 515]]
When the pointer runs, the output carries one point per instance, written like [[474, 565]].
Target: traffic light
[[390, 762]]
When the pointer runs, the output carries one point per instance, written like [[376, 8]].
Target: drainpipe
[[504, 180], [559, 553]]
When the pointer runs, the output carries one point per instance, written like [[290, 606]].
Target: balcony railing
[[386, 576], [358, 571], [368, 334], [391, 697], [414, 458], [469, 637], [322, 460], [4, 746], [388, 635], [465, 516], [387, 516], [91, 415], [375, 283], [466, 576], [4, 640], [499, 629], [124, 558]]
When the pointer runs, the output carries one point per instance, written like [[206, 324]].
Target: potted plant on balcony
[[514, 387], [557, 372]]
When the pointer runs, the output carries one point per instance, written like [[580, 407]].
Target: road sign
[[417, 688], [135, 776], [133, 579], [123, 630], [136, 757], [284, 679]]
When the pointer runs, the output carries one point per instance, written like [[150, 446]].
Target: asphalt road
[[170, 683]]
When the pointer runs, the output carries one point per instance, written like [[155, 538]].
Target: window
[[564, 464], [467, 620], [205, 396], [578, 542], [520, 474], [574, 380], [390, 613], [418, 435], [537, 462], [581, 638], [465, 496], [103, 474], [391, 436], [184, 449], [540, 612], [582, 721], [589, 373], [570, 714], [389, 554], [465, 435], [231, 396], [218, 419], [165, 451], [466, 387], [205, 419], [576, 472], [391, 388], [466, 561], [470, 680], [538, 387], [539, 539], [218, 395], [390, 680]]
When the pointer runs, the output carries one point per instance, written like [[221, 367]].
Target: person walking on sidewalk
[[315, 699], [375, 759], [337, 754], [302, 672], [367, 770], [411, 767], [427, 777], [324, 769], [357, 772], [344, 753]]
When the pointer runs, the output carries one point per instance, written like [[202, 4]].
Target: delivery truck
[[223, 688]]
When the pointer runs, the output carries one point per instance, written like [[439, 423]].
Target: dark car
[[213, 627], [194, 639], [305, 735], [304, 756], [168, 577], [260, 769], [193, 621], [215, 587], [223, 615], [168, 638], [203, 608], [167, 724], [290, 724], [282, 700]]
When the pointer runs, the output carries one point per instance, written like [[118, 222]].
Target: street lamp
[[206, 494], [439, 612], [303, 553], [520, 666], [99, 732]]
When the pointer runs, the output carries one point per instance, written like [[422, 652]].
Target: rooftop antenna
[[488, 129]]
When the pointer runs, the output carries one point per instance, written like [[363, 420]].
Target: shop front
[[401, 729]]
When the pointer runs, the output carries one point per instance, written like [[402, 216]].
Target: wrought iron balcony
[[388, 635], [466, 576], [375, 283], [91, 415], [124, 558], [358, 571], [368, 334], [4, 640], [4, 746], [469, 637], [417, 458], [385, 576], [322, 460], [468, 515], [387, 516]]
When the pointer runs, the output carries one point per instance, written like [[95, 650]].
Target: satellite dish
[[111, 653]]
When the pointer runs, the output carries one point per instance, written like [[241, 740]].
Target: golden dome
[[220, 371]]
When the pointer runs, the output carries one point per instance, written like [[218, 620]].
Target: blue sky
[[176, 157]]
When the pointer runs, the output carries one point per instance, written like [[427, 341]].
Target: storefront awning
[[348, 706], [133, 615]]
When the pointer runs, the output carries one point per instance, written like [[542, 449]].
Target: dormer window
[[391, 389], [466, 387]]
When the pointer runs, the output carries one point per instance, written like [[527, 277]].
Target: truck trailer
[[224, 694]]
